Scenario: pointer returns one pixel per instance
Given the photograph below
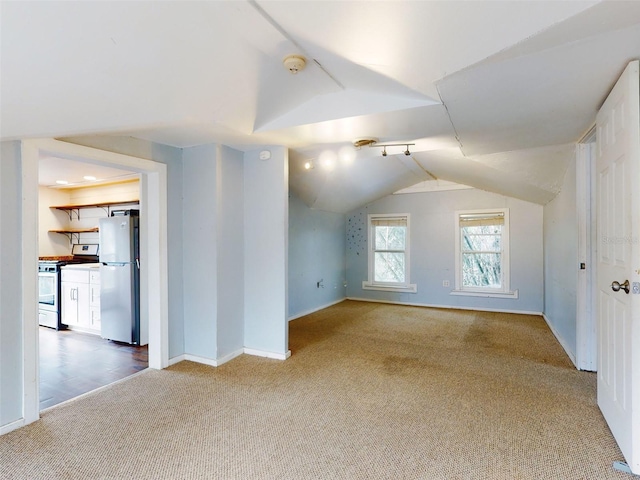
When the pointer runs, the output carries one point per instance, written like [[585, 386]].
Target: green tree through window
[[482, 250], [389, 256]]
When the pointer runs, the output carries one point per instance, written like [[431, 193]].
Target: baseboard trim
[[211, 361], [230, 356], [449, 307], [219, 361], [262, 353], [178, 359], [317, 309], [561, 341], [10, 427]]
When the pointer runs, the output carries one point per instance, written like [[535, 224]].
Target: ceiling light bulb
[[62, 182], [90, 178], [308, 166]]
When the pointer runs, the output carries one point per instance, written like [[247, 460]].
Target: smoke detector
[[294, 63], [363, 142]]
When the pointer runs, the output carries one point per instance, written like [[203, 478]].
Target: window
[[482, 253], [389, 253]]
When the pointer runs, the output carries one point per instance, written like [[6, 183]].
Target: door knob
[[617, 286]]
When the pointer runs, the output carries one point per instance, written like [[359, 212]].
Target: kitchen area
[[88, 281]]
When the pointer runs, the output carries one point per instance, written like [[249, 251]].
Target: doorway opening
[[153, 234], [75, 355]]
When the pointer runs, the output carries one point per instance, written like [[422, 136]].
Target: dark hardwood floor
[[73, 363]]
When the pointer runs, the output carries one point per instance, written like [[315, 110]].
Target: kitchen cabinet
[[79, 297], [94, 298]]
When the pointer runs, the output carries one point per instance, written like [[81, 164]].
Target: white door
[[618, 219]]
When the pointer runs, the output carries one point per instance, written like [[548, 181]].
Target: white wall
[[126, 191], [200, 257], [432, 253], [561, 262], [266, 224], [52, 244], [317, 248], [11, 296], [230, 240]]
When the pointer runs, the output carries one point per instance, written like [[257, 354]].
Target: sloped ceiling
[[493, 94]]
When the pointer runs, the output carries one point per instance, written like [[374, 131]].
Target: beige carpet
[[371, 391]]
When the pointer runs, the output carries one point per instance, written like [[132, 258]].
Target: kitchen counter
[[57, 258], [81, 266]]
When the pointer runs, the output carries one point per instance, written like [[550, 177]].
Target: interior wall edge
[[563, 343], [317, 309]]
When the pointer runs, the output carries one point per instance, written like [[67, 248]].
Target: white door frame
[[153, 246], [586, 331]]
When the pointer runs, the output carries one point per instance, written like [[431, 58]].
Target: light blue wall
[[230, 215], [172, 157], [317, 248], [561, 261], [266, 188], [200, 257], [11, 391], [432, 244]]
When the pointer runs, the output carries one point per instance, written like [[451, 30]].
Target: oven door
[[48, 291]]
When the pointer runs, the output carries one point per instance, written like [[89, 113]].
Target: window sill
[[470, 293], [411, 288]]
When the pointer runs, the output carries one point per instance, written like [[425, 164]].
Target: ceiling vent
[[294, 63]]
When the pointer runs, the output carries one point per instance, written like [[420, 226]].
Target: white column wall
[[265, 276], [230, 268], [561, 265], [200, 250], [11, 351]]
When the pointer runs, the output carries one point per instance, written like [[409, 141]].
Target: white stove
[[49, 314]]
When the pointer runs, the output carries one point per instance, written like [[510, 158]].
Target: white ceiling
[[493, 94], [54, 170]]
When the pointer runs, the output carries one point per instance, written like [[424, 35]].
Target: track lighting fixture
[[372, 142], [384, 147]]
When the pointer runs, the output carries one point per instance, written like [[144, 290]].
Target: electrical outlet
[[445, 283]]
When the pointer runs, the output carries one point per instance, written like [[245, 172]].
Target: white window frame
[[505, 291], [370, 284]]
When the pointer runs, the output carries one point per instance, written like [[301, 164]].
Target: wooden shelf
[[71, 232], [94, 205], [106, 206], [75, 230]]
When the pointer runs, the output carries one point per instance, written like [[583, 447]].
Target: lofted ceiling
[[494, 95]]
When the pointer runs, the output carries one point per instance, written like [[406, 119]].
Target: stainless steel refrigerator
[[120, 277]]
